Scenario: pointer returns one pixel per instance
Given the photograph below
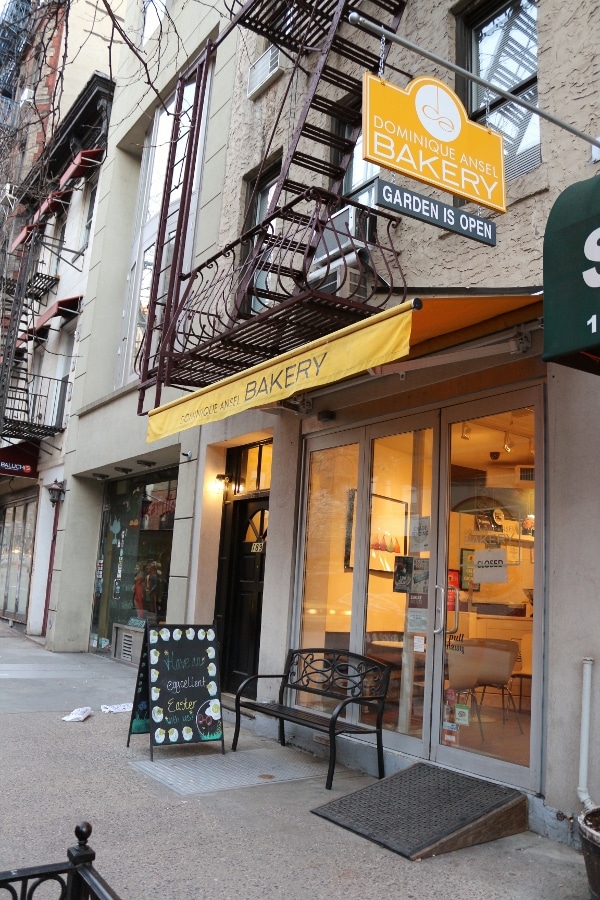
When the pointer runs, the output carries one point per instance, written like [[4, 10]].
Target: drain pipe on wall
[[584, 739]]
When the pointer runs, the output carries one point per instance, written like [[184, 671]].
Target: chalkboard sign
[[177, 696]]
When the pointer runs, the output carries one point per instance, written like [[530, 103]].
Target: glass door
[[400, 584], [419, 551], [369, 547], [485, 704]]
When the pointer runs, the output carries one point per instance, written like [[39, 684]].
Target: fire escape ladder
[[14, 322], [316, 262], [172, 236]]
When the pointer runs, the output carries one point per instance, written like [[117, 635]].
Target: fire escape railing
[[35, 408], [324, 263], [261, 295]]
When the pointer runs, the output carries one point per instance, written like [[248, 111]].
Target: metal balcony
[[316, 265], [34, 409]]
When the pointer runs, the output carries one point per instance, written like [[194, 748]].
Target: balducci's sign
[[424, 132]]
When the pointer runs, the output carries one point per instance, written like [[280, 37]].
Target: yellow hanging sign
[[382, 338], [424, 132]]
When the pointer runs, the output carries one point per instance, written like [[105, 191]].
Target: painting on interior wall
[[388, 536]]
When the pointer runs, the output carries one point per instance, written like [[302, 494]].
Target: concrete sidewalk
[[154, 841]]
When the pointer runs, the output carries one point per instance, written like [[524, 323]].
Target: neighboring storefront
[[134, 560], [18, 515]]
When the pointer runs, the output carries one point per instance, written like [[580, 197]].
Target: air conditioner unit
[[343, 278], [342, 235], [264, 71], [27, 97], [510, 476]]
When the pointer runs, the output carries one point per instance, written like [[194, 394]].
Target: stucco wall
[[572, 580]]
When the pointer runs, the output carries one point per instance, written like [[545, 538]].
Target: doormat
[[204, 773], [424, 810]]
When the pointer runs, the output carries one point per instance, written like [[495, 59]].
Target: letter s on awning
[[572, 278]]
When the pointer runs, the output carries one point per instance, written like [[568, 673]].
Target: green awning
[[572, 278]]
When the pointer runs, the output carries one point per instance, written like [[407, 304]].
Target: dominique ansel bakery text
[[285, 377], [431, 158]]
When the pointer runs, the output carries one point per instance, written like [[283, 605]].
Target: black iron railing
[[35, 409], [314, 266], [73, 880]]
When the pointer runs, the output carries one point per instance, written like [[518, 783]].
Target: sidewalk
[[242, 843]]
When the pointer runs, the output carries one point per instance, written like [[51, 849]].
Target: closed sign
[[489, 565]]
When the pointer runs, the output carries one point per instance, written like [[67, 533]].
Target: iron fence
[[73, 880]]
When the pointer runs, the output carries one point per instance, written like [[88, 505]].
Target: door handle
[[456, 612], [441, 610]]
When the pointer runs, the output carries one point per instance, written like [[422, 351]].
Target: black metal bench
[[339, 675]]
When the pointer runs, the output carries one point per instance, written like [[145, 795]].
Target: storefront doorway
[[420, 550], [244, 538], [248, 560]]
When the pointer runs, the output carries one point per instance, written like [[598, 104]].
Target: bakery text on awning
[[381, 338]]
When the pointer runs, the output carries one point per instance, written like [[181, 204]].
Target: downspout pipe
[[584, 739]]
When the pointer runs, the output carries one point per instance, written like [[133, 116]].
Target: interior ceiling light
[[508, 443], [466, 431]]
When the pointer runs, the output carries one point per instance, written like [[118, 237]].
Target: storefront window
[[17, 525], [134, 558], [329, 553]]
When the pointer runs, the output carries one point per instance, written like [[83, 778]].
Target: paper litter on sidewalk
[[78, 715], [119, 707]]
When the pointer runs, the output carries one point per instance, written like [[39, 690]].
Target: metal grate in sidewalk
[[204, 773]]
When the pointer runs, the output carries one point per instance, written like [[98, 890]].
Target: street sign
[[424, 132], [442, 215], [572, 278]]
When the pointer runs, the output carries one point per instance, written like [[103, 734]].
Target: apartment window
[[359, 180], [259, 195], [152, 16], [498, 43], [88, 215], [58, 243]]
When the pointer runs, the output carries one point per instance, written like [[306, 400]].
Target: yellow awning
[[380, 339]]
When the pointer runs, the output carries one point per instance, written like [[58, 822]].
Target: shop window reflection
[[134, 558]]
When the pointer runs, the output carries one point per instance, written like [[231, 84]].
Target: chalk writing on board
[[182, 685]]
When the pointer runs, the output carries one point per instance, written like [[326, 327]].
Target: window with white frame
[[359, 180], [152, 182], [259, 194], [88, 216], [498, 42]]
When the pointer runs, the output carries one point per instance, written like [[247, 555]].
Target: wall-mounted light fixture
[[56, 491], [224, 478], [466, 431], [187, 454], [508, 443]]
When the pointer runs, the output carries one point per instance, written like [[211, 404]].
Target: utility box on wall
[[127, 643]]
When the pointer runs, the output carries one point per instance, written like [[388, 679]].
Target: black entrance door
[[248, 550]]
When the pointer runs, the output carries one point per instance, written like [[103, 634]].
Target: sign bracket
[[360, 22]]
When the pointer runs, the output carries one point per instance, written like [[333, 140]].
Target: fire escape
[[32, 404], [317, 262]]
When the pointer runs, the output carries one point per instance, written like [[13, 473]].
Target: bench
[[338, 675]]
